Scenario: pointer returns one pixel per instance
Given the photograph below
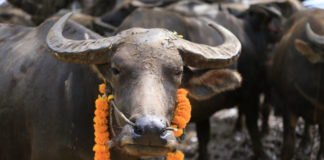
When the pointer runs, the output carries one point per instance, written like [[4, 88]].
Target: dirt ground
[[226, 144]]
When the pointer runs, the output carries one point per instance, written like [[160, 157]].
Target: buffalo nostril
[[150, 130], [138, 130], [164, 132]]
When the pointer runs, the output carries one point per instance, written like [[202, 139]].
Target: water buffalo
[[254, 35], [46, 105], [297, 75]]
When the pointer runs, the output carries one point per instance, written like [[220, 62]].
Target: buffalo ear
[[210, 83], [304, 49]]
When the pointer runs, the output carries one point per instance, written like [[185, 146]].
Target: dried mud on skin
[[226, 144]]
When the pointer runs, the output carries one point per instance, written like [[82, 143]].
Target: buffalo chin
[[145, 150]]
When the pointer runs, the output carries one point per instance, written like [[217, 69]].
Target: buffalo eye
[[178, 73], [115, 71]]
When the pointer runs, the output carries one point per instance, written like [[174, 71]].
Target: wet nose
[[150, 130]]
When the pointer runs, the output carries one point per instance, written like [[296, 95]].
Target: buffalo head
[[312, 47], [144, 68]]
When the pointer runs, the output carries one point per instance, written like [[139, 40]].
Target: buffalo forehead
[[152, 48], [151, 37], [135, 55]]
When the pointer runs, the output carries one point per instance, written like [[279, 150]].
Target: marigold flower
[[180, 121], [102, 88], [178, 155], [184, 114], [182, 91], [177, 133], [100, 148], [101, 103], [101, 128], [101, 140], [182, 99], [100, 121], [102, 156], [101, 113]]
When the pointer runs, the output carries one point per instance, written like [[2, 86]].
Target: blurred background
[[266, 19]]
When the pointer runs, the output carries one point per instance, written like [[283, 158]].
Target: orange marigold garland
[[182, 114], [100, 125], [181, 117]]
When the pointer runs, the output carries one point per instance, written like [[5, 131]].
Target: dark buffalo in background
[[42, 9], [126, 7], [257, 28], [12, 15], [298, 76]]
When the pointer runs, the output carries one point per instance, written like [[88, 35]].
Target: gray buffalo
[[46, 104], [298, 76], [253, 32]]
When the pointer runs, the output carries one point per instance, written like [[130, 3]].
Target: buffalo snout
[[150, 130], [149, 136]]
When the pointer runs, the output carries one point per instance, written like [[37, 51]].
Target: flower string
[[181, 117], [100, 125]]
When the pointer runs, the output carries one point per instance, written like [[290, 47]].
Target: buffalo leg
[[239, 121], [320, 155], [266, 109], [289, 142], [203, 132], [251, 110], [306, 143]]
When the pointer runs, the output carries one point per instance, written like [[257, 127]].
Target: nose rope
[[110, 123], [122, 115]]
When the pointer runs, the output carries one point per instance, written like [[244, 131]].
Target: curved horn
[[313, 37], [91, 51], [205, 56]]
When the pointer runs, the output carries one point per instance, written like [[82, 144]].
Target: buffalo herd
[[226, 54]]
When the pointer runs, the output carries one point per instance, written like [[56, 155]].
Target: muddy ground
[[226, 144]]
